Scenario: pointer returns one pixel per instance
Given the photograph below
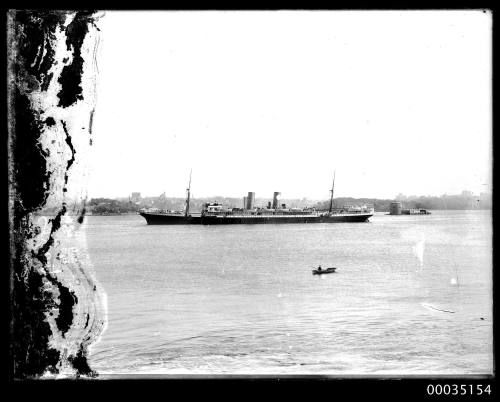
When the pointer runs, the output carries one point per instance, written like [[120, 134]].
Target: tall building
[[135, 197]]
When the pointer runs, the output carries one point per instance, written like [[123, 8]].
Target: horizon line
[[296, 198]]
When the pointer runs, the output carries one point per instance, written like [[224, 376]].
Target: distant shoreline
[[136, 213], [86, 214]]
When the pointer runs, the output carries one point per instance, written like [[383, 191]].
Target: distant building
[[395, 208], [135, 197], [485, 200]]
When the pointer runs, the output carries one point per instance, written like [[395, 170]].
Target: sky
[[391, 101]]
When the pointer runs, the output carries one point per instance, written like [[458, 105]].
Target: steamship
[[214, 213]]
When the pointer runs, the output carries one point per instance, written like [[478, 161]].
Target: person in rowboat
[[319, 268]]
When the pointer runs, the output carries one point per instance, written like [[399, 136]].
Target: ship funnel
[[250, 200], [275, 199]]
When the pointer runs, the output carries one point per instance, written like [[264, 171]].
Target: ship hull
[[172, 219], [277, 219]]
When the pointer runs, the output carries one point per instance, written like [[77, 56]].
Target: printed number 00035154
[[458, 389]]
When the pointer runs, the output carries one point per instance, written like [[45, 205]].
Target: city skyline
[[278, 101], [399, 196]]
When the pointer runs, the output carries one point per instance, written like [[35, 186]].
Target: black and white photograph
[[251, 193]]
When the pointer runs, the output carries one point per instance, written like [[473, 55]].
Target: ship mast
[[331, 198], [188, 194]]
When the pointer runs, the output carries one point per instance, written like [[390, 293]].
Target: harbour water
[[411, 295]]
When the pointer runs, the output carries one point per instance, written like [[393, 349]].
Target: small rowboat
[[323, 271]]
